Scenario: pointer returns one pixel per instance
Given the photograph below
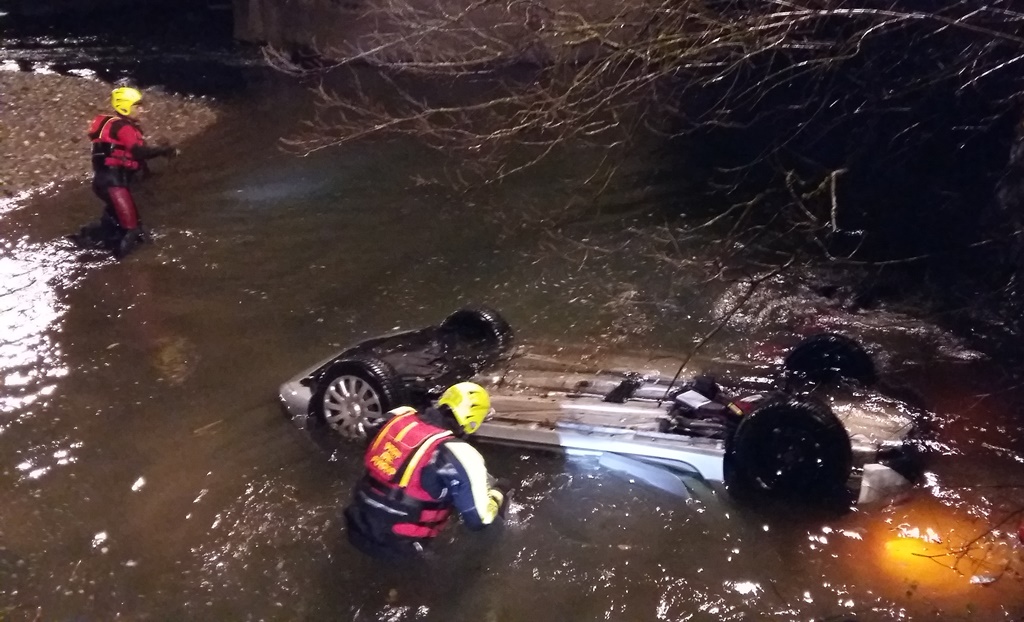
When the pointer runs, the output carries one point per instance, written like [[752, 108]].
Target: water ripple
[[31, 309]]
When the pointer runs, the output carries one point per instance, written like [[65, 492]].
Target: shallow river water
[[147, 472]]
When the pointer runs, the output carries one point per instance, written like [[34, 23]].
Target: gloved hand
[[171, 152], [498, 497], [495, 502]]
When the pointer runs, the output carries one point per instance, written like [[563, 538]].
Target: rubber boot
[[92, 236], [129, 240], [145, 236]]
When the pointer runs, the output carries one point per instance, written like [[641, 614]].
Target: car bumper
[[294, 398]]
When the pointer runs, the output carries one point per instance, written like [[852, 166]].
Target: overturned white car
[[813, 430]]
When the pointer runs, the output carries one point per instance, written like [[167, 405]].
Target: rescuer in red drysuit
[[119, 151], [418, 470]]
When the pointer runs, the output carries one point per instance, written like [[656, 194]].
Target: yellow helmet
[[469, 403], [123, 98]]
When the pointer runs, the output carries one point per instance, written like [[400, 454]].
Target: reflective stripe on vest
[[397, 452], [427, 445]]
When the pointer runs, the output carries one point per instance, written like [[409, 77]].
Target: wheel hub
[[350, 403]]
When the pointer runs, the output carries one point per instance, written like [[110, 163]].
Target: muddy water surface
[[147, 473]]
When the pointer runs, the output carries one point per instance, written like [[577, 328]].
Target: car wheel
[[826, 357], [480, 324], [354, 396], [789, 448]]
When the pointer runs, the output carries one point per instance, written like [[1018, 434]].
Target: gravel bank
[[44, 119]]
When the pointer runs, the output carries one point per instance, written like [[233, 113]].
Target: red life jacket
[[109, 150], [394, 466]]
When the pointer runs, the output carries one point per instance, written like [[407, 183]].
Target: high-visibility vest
[[107, 149], [394, 465]]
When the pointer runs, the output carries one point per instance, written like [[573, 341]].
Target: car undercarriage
[[812, 429]]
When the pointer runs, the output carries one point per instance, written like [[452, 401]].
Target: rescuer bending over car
[[118, 152], [418, 470]]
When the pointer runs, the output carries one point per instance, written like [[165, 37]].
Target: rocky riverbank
[[44, 119]]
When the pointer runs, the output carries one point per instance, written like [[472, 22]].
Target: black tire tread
[[827, 355], [812, 415], [500, 332]]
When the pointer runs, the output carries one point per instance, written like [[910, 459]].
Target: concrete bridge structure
[[303, 23], [279, 22], [297, 22], [34, 8], [56, 8]]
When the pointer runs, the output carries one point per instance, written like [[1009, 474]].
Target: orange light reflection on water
[[930, 550], [927, 564]]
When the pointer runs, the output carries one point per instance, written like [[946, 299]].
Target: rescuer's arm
[[133, 140], [145, 152], [463, 470]]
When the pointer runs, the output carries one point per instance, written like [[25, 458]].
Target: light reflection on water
[[40, 459], [8, 204], [31, 361]]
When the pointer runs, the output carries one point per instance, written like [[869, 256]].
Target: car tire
[[791, 449], [480, 324], [354, 396], [827, 357]]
